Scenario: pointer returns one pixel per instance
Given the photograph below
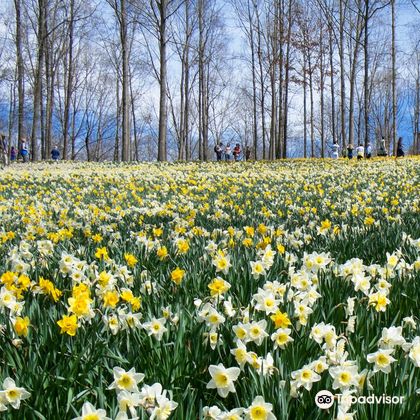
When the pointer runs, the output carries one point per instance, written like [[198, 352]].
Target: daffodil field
[[210, 291]]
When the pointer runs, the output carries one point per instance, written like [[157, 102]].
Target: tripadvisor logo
[[325, 399]]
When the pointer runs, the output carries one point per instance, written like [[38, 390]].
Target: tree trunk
[[262, 86], [38, 78], [134, 155], [353, 74], [117, 128], [125, 85], [305, 110], [50, 76], [286, 79], [163, 109], [202, 89], [331, 56], [311, 96], [342, 79], [322, 80], [273, 79], [366, 75], [69, 82], [417, 113], [186, 123], [181, 137], [280, 63], [273, 113], [12, 113], [41, 120], [72, 134], [254, 80], [20, 74], [394, 81]]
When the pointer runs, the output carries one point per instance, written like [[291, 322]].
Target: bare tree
[[20, 72], [120, 10], [41, 38], [394, 81]]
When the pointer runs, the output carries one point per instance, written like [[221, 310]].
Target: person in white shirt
[[360, 151], [335, 149], [228, 152]]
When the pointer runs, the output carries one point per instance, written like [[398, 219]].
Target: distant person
[[24, 152], [360, 151], [368, 151], [222, 151], [382, 148], [237, 152], [247, 153], [3, 150], [55, 153], [350, 151], [218, 150], [335, 149], [400, 150], [228, 152], [13, 154]]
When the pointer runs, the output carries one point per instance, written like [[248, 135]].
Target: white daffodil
[[89, 412], [350, 306], [414, 353], [223, 379], [122, 415], [126, 381], [11, 394], [344, 376], [214, 318], [391, 337], [257, 269], [163, 409], [235, 414], [362, 283], [319, 365], [382, 359], [156, 327], [305, 377], [409, 320], [128, 401], [222, 263], [241, 331], [260, 410], [211, 413], [266, 302], [317, 332], [281, 337], [149, 394], [267, 365], [257, 331], [7, 298], [240, 353]]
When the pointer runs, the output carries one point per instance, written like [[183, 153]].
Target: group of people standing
[[9, 156], [228, 154], [362, 153]]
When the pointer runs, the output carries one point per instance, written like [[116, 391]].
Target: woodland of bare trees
[[132, 80]]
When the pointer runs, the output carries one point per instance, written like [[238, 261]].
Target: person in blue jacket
[[55, 153], [350, 151]]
